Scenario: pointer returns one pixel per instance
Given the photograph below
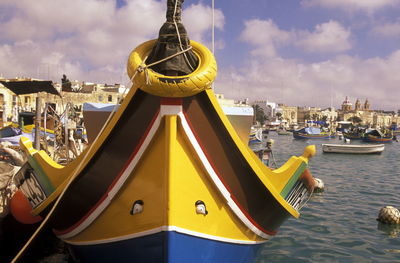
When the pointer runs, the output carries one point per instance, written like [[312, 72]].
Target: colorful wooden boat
[[353, 148], [378, 139], [312, 133], [166, 180], [139, 189], [377, 136]]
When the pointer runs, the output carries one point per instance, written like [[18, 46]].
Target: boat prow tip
[[309, 152]]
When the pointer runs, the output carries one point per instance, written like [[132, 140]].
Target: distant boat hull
[[353, 149], [372, 138], [298, 135]]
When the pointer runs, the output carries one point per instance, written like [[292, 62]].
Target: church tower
[[357, 105], [366, 105], [346, 105]]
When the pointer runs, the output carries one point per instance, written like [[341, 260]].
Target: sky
[[299, 53]]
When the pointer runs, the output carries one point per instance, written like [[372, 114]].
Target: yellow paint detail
[[169, 179], [172, 86]]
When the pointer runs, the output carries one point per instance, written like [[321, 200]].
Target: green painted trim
[[289, 185], [41, 176]]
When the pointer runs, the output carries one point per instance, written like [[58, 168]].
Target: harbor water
[[339, 225]]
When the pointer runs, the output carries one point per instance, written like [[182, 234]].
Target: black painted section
[[92, 183]]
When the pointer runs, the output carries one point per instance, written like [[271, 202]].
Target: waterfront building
[[269, 108], [329, 115], [288, 114], [305, 114], [8, 102], [77, 94]]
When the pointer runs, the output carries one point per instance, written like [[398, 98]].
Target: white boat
[[240, 115], [353, 148]]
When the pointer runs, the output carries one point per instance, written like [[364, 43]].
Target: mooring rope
[[143, 67]]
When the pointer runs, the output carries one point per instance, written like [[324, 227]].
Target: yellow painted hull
[[169, 175]]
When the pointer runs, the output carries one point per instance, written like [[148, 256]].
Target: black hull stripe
[[96, 178]]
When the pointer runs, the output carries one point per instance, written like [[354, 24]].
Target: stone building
[[289, 114], [97, 93], [8, 102], [305, 114], [269, 108]]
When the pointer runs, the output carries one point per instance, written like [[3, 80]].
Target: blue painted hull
[[167, 247]]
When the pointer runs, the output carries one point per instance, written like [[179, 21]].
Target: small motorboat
[[353, 148]]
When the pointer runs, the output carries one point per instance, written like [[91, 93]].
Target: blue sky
[[300, 53]]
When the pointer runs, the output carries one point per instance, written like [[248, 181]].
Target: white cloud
[[387, 30], [330, 37], [265, 36], [88, 40], [303, 84], [197, 19], [352, 5]]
